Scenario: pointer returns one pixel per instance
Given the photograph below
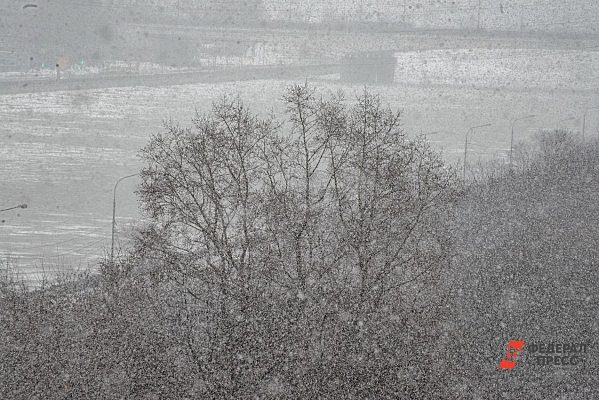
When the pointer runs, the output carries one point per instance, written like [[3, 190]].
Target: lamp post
[[425, 134], [428, 134], [12, 208], [564, 120], [584, 118], [512, 136], [470, 130], [114, 214]]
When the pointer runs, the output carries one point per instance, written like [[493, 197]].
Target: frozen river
[[61, 152]]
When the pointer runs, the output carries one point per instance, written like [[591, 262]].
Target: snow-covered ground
[[61, 152], [260, 54], [501, 68]]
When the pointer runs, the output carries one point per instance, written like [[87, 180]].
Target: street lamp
[[564, 120], [12, 208], [433, 133], [425, 135], [114, 214], [470, 130], [512, 137], [584, 118]]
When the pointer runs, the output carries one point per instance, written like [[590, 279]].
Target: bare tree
[[299, 244]]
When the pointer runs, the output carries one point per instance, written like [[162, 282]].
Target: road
[[227, 74]]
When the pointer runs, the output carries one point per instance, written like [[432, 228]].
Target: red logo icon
[[513, 348]]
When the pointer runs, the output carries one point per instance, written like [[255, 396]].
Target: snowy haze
[[344, 250], [65, 141]]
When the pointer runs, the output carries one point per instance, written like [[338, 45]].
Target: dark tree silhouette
[[304, 249]]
